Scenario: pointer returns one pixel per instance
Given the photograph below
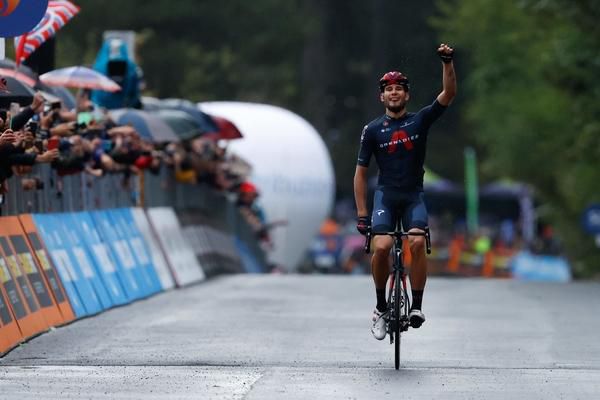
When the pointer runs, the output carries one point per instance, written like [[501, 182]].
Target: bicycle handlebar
[[399, 235]]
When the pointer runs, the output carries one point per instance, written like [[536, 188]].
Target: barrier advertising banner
[[79, 253], [82, 296], [132, 278], [180, 255], [10, 335], [36, 280], [125, 225], [101, 257], [158, 259], [47, 267], [23, 299], [32, 269]]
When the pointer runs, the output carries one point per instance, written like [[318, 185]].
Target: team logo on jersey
[[379, 212], [399, 137]]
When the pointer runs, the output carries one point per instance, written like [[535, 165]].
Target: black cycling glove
[[446, 57], [363, 225]]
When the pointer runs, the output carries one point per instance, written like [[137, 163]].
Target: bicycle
[[398, 303]]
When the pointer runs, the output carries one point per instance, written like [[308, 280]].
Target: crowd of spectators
[[86, 140]]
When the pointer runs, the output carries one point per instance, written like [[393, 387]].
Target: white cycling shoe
[[379, 328], [416, 318]]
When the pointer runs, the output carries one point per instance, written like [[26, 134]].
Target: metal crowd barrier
[[212, 217]]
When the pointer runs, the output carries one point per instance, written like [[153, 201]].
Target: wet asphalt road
[[307, 337]]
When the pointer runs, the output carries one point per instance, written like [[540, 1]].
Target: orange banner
[[40, 253], [30, 316], [10, 335]]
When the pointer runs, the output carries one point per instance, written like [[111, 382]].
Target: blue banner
[[141, 249], [82, 296], [82, 258], [531, 267], [83, 225], [135, 281]]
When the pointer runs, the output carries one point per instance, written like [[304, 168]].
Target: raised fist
[[446, 53]]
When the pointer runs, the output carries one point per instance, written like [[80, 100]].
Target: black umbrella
[[17, 92], [181, 122], [148, 125], [204, 121]]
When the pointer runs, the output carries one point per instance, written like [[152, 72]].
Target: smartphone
[[55, 105], [53, 143]]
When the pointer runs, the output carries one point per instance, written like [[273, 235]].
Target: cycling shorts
[[392, 205]]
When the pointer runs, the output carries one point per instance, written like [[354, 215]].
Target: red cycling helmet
[[394, 77]]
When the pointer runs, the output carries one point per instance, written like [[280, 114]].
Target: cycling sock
[[417, 299], [381, 302]]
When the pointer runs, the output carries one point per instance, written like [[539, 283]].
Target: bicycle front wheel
[[398, 295]]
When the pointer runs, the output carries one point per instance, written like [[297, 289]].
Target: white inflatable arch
[[291, 168]]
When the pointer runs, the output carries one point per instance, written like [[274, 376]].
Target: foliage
[[532, 101]]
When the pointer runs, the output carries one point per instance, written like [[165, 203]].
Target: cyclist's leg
[[382, 220], [414, 219]]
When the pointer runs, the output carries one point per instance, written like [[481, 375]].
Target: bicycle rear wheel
[[398, 295]]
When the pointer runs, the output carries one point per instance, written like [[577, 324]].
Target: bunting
[[57, 15]]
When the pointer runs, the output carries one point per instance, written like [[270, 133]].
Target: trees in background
[[531, 101]]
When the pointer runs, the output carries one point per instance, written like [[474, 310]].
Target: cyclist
[[398, 140]]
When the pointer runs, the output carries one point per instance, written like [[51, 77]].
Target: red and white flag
[[59, 12]]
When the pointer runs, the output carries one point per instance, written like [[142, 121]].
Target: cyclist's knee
[[382, 248], [416, 243]]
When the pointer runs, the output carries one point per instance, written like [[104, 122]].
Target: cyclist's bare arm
[[448, 78], [360, 190]]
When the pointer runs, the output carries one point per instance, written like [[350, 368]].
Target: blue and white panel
[[82, 296], [100, 257], [158, 259], [131, 280]]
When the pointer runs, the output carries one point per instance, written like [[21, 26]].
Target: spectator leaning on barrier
[[18, 154], [252, 212]]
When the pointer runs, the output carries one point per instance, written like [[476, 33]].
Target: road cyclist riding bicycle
[[398, 141]]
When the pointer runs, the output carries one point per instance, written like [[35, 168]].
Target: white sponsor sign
[[178, 251]]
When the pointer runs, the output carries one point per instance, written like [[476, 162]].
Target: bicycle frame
[[398, 300], [398, 270]]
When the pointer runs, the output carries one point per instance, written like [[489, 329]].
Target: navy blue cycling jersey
[[399, 146]]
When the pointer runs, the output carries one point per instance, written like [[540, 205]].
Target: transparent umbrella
[[79, 77]]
